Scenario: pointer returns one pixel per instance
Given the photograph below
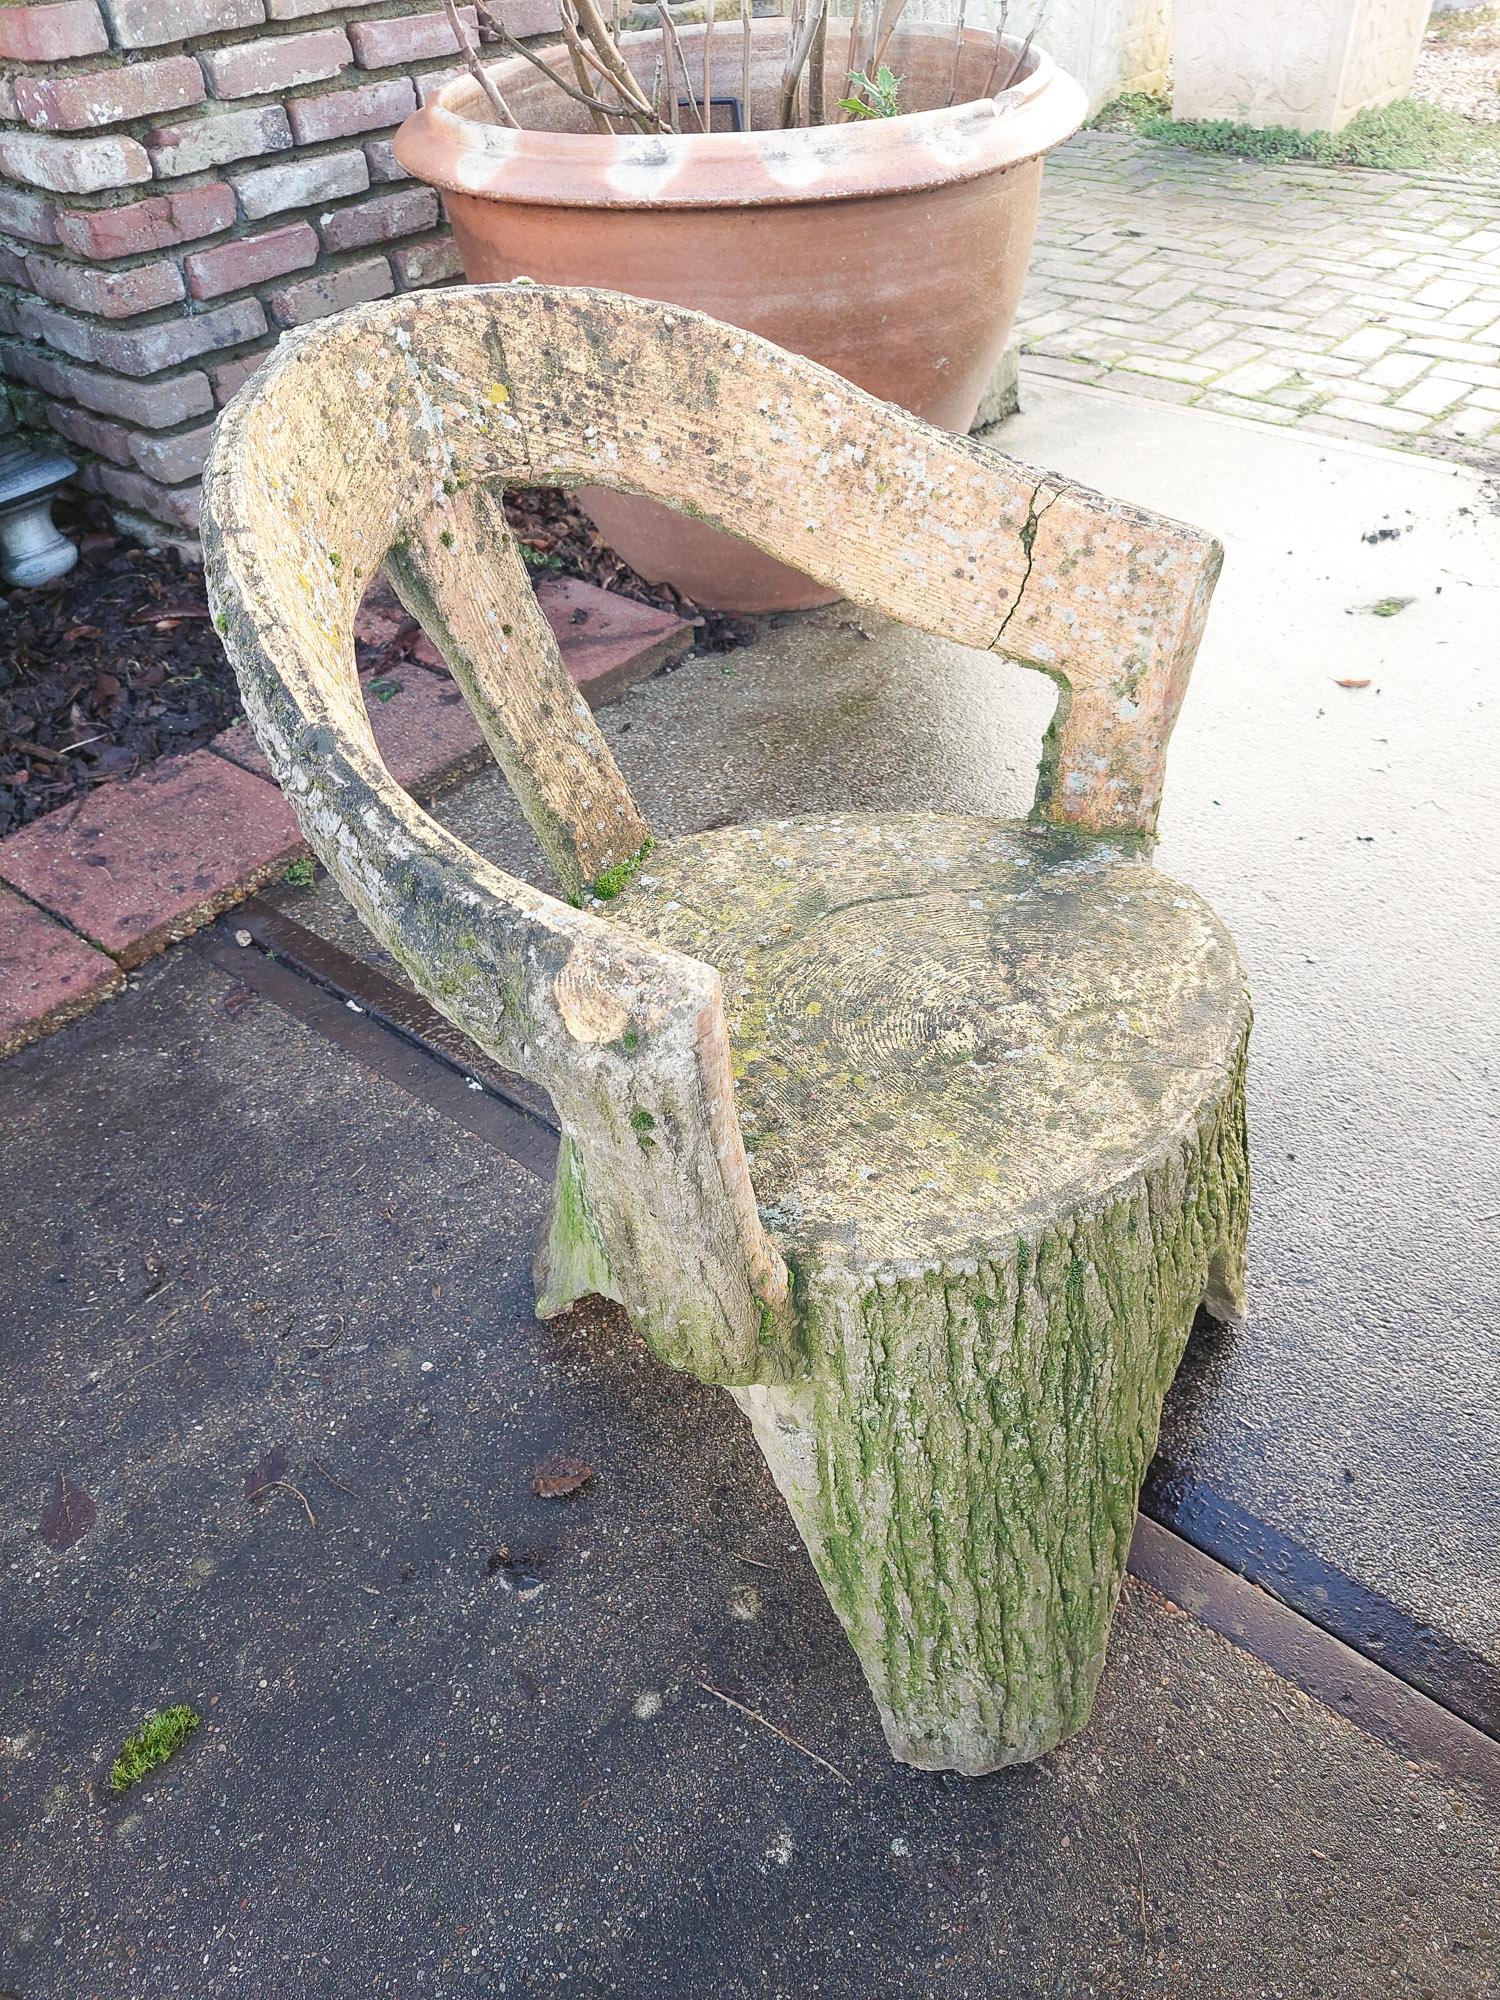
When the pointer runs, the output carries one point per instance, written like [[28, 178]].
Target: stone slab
[[609, 642], [148, 860], [1339, 832], [47, 976], [458, 1741], [422, 724]]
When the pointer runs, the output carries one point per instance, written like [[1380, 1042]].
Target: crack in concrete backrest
[[385, 437]]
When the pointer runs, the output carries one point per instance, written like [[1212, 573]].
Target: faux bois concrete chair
[[922, 1134]]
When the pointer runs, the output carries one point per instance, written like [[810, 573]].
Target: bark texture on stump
[[923, 1135]]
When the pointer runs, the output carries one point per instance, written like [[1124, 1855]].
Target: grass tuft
[[159, 1737], [1405, 136]]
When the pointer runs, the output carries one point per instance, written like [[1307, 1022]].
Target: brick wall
[[182, 179]]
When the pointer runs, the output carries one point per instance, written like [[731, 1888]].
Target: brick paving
[[1354, 303], [108, 881]]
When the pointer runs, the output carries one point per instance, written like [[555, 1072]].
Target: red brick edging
[[110, 880]]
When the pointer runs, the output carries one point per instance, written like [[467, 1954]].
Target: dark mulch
[[556, 536], [118, 663], [114, 665]]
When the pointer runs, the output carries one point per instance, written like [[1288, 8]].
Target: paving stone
[[1254, 378], [46, 974], [1252, 408], [1368, 344], [1311, 297], [1156, 387], [1431, 397], [609, 642], [1378, 415], [146, 861], [1169, 370], [1470, 423], [422, 724], [1397, 371]]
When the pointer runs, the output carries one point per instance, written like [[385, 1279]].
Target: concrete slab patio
[[272, 1322]]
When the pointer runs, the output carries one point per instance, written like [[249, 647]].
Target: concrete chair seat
[[946, 1032]]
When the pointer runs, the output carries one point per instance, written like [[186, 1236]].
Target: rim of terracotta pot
[[443, 146]]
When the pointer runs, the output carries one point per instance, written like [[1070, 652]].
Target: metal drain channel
[[1403, 1683]]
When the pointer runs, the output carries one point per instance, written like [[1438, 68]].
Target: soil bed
[[118, 663]]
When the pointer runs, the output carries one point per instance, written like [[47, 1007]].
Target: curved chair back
[[385, 438]]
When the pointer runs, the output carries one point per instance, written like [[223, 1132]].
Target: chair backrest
[[385, 437]]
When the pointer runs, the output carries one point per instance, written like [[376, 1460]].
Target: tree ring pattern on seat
[[946, 1031]]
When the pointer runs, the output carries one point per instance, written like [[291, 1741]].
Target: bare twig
[[852, 63], [800, 50], [637, 104], [817, 95], [596, 110], [958, 49], [890, 20], [669, 31], [999, 55], [1140, 1869], [707, 98], [775, 1729], [1019, 63], [503, 113], [319, 1466], [592, 104], [793, 32], [287, 1487], [747, 43], [592, 23]]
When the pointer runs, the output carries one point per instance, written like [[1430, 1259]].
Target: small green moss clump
[[612, 881], [159, 1737], [541, 559], [301, 874], [643, 1125]]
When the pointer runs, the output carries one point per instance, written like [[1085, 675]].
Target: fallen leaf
[[157, 614], [75, 632], [1352, 684], [557, 1476], [67, 1517], [266, 1472]]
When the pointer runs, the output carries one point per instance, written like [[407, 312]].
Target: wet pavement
[[270, 1314], [457, 1738]]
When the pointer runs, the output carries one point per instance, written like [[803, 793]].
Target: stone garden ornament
[[922, 1134]]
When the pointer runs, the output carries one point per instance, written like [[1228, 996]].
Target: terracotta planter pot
[[892, 250]]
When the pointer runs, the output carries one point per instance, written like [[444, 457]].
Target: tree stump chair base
[[995, 1077], [924, 1136]]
